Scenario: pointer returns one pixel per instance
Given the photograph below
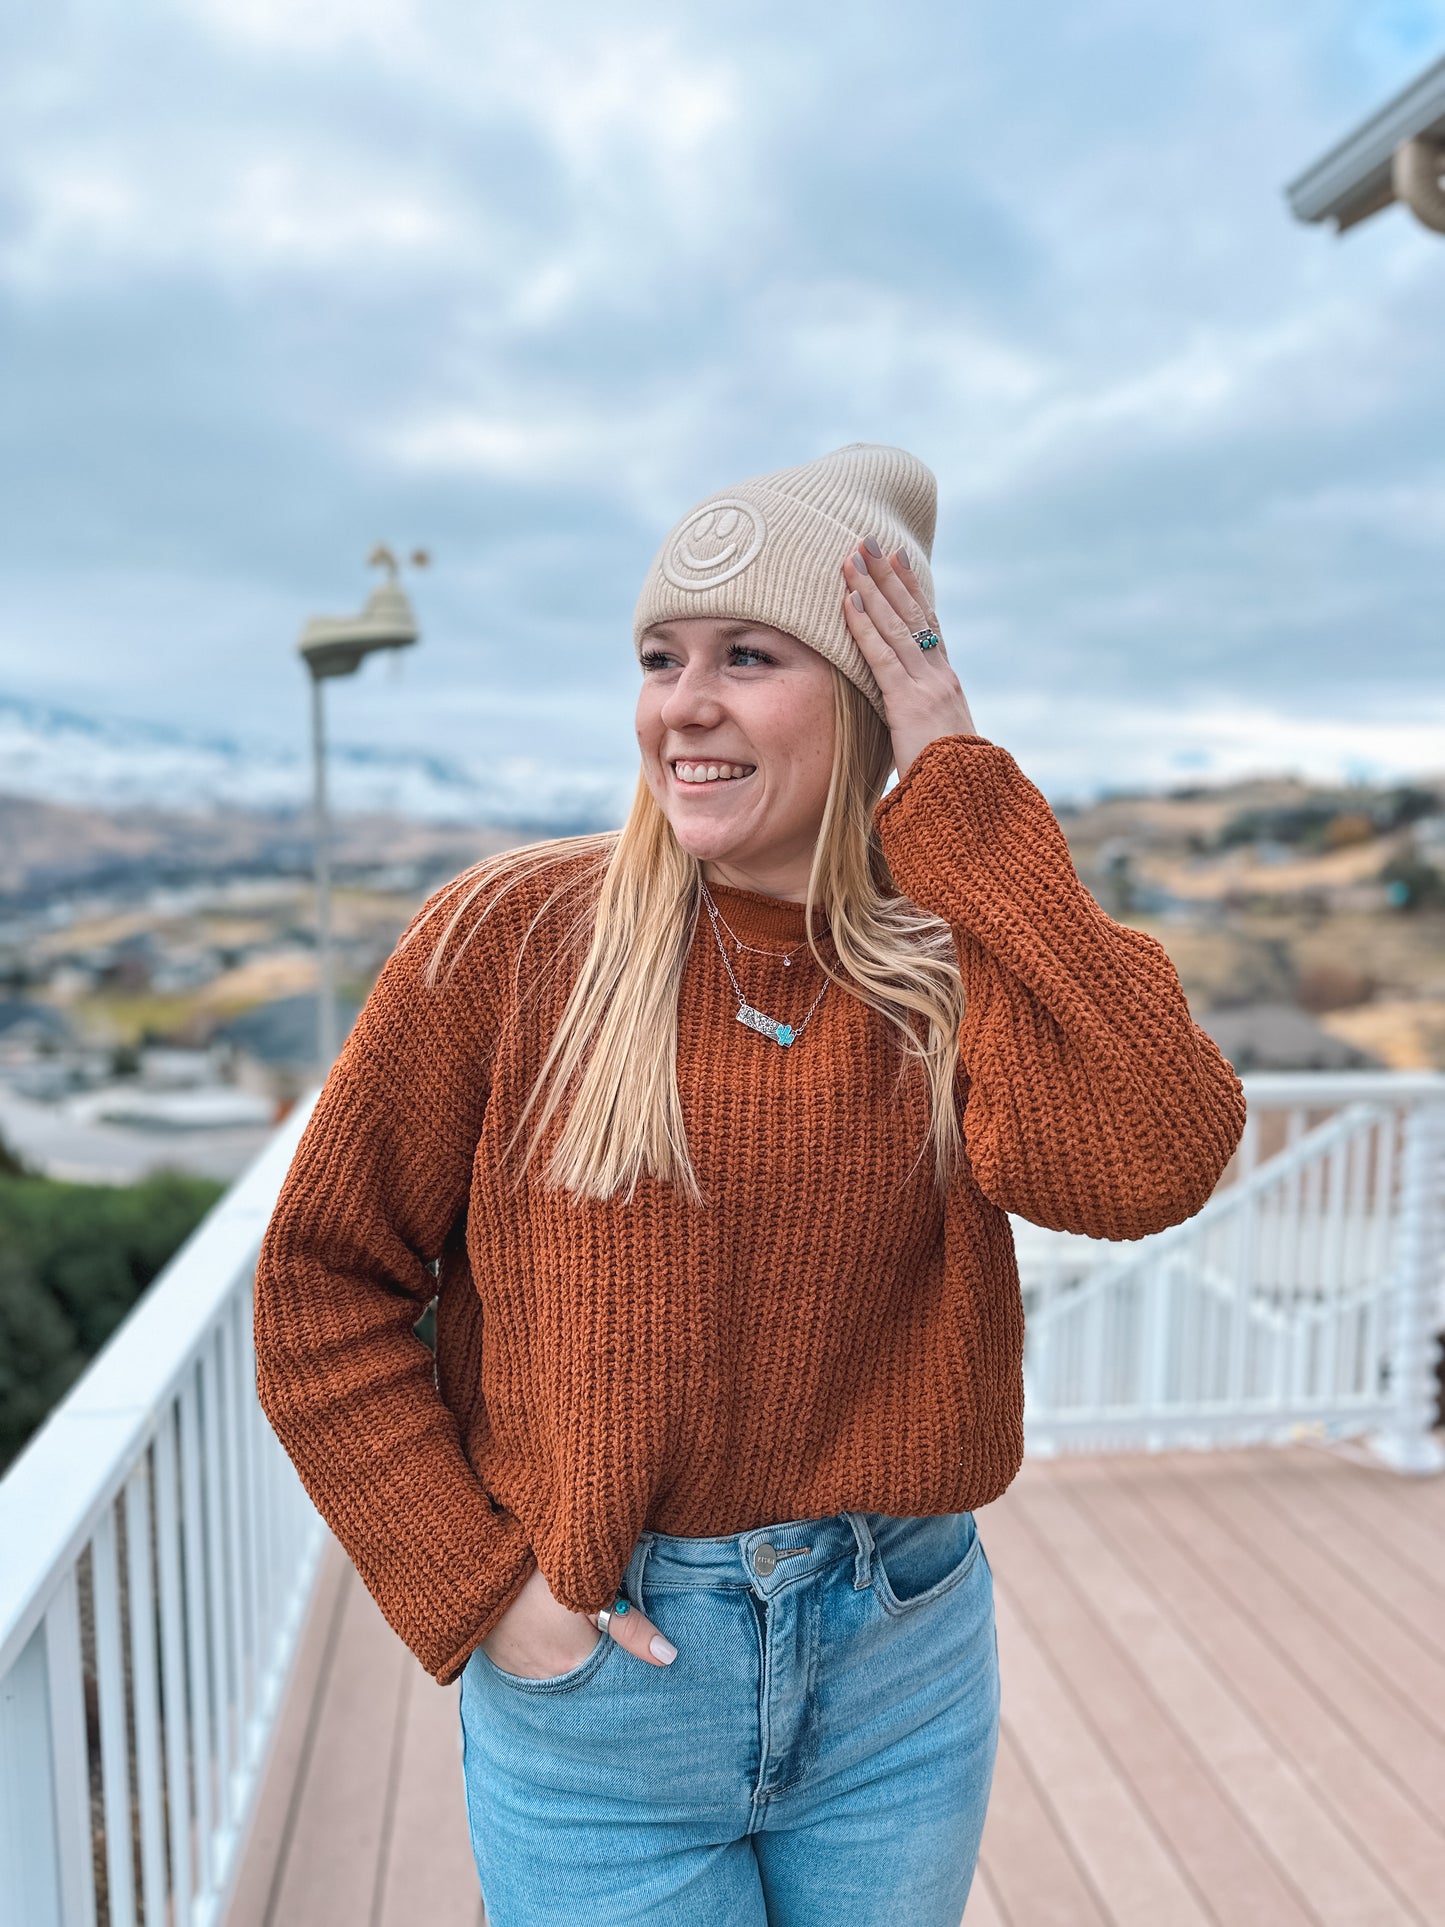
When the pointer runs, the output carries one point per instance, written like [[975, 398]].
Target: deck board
[[1229, 1866], [430, 1875], [1341, 1527], [1402, 1664], [1266, 1789], [1222, 1704], [1366, 1804], [1137, 1879]]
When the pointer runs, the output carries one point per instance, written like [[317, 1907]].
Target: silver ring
[[605, 1618], [926, 638]]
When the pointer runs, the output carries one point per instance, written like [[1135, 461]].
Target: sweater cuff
[[965, 832], [524, 1563]]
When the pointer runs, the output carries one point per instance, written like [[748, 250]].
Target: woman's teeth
[[712, 772]]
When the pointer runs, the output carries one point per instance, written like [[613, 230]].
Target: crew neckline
[[753, 914]]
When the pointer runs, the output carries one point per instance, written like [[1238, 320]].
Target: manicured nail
[[662, 1649], [872, 548], [860, 563], [900, 556], [857, 600]]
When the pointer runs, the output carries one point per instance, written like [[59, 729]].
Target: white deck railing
[[1304, 1298], [156, 1555], [157, 1551]]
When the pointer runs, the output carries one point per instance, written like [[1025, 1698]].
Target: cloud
[[522, 282]]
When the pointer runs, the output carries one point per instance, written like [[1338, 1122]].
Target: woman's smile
[[695, 773]]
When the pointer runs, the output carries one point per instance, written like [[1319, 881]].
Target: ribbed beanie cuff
[[771, 549]]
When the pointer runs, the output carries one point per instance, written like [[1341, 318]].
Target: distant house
[[1281, 1037], [279, 1039], [25, 1024]]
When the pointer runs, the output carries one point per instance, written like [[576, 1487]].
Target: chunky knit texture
[[825, 1333]]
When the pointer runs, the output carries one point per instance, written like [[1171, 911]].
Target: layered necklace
[[747, 1013]]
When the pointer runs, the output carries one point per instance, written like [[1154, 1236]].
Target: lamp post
[[337, 646]]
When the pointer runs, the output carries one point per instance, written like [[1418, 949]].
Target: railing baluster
[[114, 1747], [145, 1701], [173, 1668], [197, 1625], [70, 1754], [1241, 1303], [217, 1584], [236, 1561], [1348, 1381], [1333, 1271], [247, 1414]]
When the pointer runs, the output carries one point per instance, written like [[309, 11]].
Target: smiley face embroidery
[[715, 543]]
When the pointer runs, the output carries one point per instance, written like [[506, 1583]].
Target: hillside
[[1275, 894]]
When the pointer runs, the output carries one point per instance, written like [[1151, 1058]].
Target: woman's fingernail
[[662, 1649], [872, 548], [857, 600], [860, 563]]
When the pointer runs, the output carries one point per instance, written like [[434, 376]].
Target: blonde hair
[[634, 911]]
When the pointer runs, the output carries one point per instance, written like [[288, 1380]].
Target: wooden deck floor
[[1224, 1701]]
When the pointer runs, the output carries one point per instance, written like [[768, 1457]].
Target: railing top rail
[[53, 1495], [1311, 1089]]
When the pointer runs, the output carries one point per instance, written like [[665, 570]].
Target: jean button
[[765, 1559]]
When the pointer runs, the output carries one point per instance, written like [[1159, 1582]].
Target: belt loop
[[863, 1564], [632, 1579]]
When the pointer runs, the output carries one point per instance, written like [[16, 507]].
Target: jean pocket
[[918, 1560], [577, 1675]]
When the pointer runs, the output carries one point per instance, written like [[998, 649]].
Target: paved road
[[58, 1145]]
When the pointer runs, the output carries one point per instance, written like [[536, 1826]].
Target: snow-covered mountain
[[60, 756]]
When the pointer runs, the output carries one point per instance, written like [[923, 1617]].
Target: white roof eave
[[1353, 178]]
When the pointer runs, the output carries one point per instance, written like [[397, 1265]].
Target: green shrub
[[74, 1258]]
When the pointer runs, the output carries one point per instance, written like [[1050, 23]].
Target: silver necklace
[[757, 949], [747, 1014]]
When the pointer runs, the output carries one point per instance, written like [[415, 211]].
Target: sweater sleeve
[[1095, 1103], [379, 1178]]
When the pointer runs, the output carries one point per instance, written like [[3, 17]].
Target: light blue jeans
[[821, 1749]]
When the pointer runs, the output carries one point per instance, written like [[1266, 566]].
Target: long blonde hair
[[634, 911]]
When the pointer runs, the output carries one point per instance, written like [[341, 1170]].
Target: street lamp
[[1398, 154], [337, 646]]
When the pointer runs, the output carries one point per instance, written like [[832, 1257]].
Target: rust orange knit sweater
[[826, 1333]]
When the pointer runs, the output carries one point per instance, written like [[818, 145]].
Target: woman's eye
[[653, 658], [756, 654]]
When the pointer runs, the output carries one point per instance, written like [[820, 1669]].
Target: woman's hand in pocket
[[539, 1638]]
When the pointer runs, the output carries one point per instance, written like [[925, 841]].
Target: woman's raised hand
[[538, 1638], [883, 607]]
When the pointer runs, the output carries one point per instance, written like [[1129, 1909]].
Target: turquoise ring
[[926, 638], [618, 1607]]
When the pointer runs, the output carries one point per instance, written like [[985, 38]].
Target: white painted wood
[[144, 1692], [194, 1625], [29, 1881], [69, 1753], [114, 1762], [179, 1798], [52, 1495], [199, 1673], [1302, 1299], [218, 1581]]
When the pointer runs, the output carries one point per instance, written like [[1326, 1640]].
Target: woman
[[704, 1134]]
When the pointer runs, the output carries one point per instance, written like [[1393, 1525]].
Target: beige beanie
[[772, 549]]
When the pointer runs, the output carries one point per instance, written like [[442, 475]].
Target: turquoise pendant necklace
[[756, 1019]]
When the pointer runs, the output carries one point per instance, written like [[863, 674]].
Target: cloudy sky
[[521, 281]]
